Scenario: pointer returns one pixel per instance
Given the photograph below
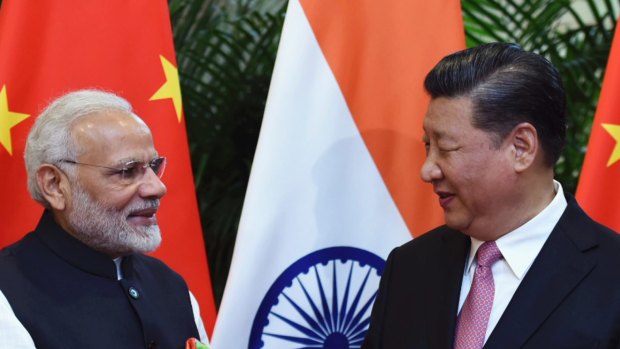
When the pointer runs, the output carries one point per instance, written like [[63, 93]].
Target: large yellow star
[[171, 88], [8, 119], [614, 131]]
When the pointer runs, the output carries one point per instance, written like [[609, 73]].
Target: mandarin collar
[[75, 252]]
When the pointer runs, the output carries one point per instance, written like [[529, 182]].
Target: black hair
[[507, 86]]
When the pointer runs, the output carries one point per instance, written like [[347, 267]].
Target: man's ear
[[54, 186], [524, 144]]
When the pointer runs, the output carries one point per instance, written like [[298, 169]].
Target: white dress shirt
[[12, 334], [519, 248]]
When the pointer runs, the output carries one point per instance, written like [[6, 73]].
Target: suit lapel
[[444, 289], [565, 260]]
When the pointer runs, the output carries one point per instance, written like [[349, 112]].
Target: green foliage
[[225, 55], [576, 40]]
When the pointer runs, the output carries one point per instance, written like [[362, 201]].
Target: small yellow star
[[171, 88], [8, 119], [614, 131]]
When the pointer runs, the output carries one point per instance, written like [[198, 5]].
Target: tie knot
[[488, 253]]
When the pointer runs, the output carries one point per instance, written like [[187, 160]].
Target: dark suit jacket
[[570, 297]]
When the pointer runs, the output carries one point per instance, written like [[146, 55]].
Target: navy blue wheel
[[323, 300]]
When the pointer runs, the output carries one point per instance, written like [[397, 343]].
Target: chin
[[141, 239], [457, 224], [150, 242]]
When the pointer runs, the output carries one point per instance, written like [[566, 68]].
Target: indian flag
[[335, 181]]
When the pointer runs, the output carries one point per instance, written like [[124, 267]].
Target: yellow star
[[171, 88], [8, 119], [614, 131]]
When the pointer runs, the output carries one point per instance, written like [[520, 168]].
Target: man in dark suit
[[518, 263], [81, 279]]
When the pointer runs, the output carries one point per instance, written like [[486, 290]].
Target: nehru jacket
[[67, 295]]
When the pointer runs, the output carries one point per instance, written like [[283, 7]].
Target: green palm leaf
[[576, 41], [225, 54]]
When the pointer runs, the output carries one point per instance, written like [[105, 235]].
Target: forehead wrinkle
[[430, 128], [114, 140]]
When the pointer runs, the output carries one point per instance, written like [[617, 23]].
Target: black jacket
[[569, 298], [67, 295]]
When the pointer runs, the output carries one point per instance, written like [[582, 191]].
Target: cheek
[[473, 178], [115, 198], [486, 181], [465, 172]]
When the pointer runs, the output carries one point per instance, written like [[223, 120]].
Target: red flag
[[51, 47], [599, 182]]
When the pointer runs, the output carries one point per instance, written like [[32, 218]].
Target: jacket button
[[153, 345], [133, 293]]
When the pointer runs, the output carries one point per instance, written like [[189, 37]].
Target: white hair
[[50, 139]]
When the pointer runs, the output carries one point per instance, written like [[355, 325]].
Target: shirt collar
[[119, 270], [521, 246]]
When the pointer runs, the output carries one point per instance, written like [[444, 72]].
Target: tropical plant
[[225, 54]]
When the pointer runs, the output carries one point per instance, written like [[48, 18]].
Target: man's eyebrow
[[436, 134], [126, 160]]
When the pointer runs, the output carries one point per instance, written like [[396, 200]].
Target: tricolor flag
[[50, 47], [335, 181], [599, 182]]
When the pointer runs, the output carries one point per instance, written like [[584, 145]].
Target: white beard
[[106, 229]]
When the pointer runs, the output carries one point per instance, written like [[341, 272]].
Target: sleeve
[[199, 325], [13, 335]]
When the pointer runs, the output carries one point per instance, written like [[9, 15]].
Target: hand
[[193, 343]]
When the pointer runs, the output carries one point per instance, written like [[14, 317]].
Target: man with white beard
[[81, 279]]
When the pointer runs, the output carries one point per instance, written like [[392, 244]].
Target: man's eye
[[448, 150], [129, 171]]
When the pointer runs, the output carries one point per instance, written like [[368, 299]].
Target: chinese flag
[[50, 47], [599, 184]]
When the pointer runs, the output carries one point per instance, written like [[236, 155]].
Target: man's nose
[[430, 170], [151, 185]]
